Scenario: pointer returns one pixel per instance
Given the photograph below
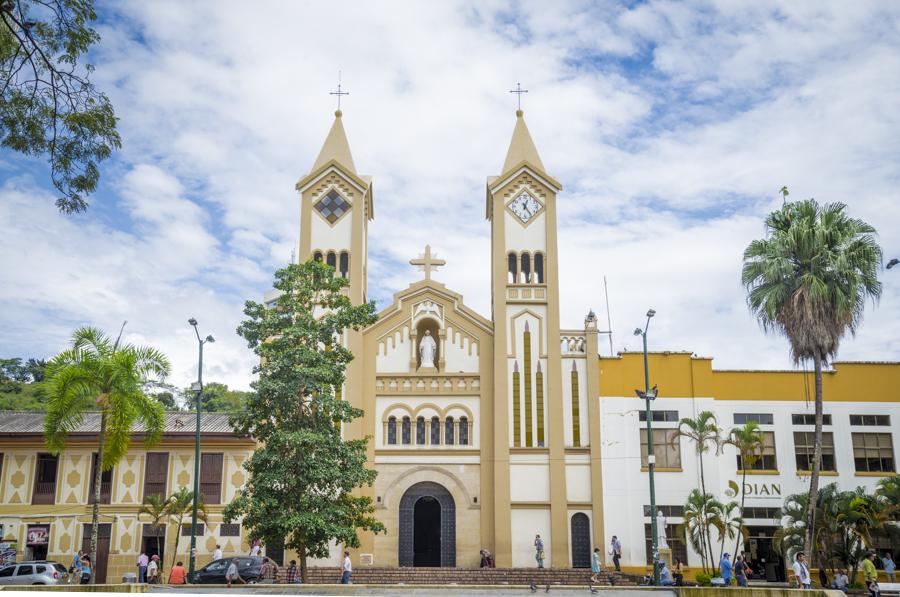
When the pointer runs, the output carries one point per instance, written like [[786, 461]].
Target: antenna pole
[[608, 320]]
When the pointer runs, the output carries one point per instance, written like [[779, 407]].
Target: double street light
[[197, 387], [647, 395]]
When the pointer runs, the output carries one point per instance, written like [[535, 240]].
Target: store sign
[[38, 535]]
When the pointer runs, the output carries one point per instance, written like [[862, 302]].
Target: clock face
[[525, 206]]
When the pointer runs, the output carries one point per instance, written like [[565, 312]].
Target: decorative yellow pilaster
[[529, 434], [576, 421], [539, 382], [517, 417]]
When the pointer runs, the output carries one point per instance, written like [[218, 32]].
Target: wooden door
[[101, 559]]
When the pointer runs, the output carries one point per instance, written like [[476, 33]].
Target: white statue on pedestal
[[427, 349], [661, 531]]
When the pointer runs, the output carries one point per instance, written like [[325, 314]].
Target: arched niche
[[432, 326]]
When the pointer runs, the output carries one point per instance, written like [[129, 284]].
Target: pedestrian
[[292, 574], [740, 571], [267, 571], [232, 575], [75, 570], [346, 569], [142, 562], [178, 575], [153, 571], [678, 573], [595, 566], [484, 562], [217, 554], [665, 576], [615, 550], [255, 546], [889, 567], [801, 571], [725, 568], [870, 575], [539, 550], [841, 582], [823, 577], [85, 570]]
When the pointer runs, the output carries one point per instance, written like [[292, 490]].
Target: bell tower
[[528, 404]]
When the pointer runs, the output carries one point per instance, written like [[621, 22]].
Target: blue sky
[[671, 125]]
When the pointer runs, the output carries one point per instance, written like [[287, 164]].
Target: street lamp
[[197, 387], [892, 263], [647, 395]]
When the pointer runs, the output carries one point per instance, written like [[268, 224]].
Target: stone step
[[468, 576]]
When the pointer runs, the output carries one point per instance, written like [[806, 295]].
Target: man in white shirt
[[347, 569], [217, 555], [801, 571]]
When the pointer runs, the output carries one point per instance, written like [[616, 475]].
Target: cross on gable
[[339, 93], [427, 262], [518, 91]]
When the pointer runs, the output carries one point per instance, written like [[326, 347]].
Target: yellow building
[[45, 510]]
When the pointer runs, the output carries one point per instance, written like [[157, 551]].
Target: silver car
[[34, 573]]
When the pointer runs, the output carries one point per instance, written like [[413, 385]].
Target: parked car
[[214, 572], [34, 573]]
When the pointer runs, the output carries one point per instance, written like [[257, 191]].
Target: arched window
[[513, 268], [526, 268], [405, 432], [420, 431], [463, 431], [345, 264], [448, 432], [331, 259], [392, 431], [539, 268], [435, 431], [317, 255]]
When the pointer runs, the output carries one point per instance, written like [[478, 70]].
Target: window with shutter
[[156, 473], [105, 483], [211, 478]]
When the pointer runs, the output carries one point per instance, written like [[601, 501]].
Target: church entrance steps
[[469, 576]]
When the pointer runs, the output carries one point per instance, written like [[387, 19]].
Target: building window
[[761, 418], [105, 483], [230, 530], [332, 206], [345, 264], [804, 446], [211, 478], [871, 420], [392, 431], [435, 431], [808, 419], [660, 416], [526, 268], [186, 530], [668, 511], [765, 461], [405, 432], [420, 431], [873, 452], [45, 479], [317, 255], [512, 265], [762, 513], [463, 431], [331, 259], [449, 438], [675, 537], [666, 447], [539, 268], [157, 470]]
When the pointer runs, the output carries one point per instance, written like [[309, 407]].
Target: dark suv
[[214, 572]]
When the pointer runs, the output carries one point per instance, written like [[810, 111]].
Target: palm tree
[[809, 280], [700, 513], [157, 510], [729, 522], [888, 493], [704, 432], [749, 442], [181, 505], [96, 374]]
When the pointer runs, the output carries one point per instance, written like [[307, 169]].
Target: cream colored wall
[[324, 236], [529, 481], [394, 352], [532, 237], [461, 351], [526, 523], [578, 480]]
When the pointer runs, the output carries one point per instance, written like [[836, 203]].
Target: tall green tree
[[809, 280], [217, 397], [700, 514], [304, 478], [705, 433], [48, 104], [729, 522], [179, 507], [749, 442], [99, 375], [155, 508]]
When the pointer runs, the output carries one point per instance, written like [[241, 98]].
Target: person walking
[[142, 562], [870, 575], [801, 571], [725, 568], [740, 571], [267, 572], [615, 550], [292, 574], [539, 550], [595, 566], [889, 567], [153, 570], [75, 571], [178, 575], [255, 547], [85, 570], [217, 554], [346, 569], [232, 574]]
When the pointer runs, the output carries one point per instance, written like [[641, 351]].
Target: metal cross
[[427, 262], [518, 91], [339, 93]]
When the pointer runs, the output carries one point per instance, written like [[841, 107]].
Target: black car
[[214, 572]]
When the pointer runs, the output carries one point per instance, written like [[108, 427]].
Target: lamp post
[[197, 387], [647, 395]]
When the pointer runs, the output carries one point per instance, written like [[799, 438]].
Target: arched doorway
[[427, 526], [581, 541]]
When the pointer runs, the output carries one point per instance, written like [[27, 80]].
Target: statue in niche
[[661, 531], [427, 350]]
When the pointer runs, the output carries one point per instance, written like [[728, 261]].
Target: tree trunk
[[705, 529], [737, 542], [95, 510], [303, 572], [808, 545], [177, 539]]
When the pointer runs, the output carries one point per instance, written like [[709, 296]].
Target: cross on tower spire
[[518, 91], [427, 262], [339, 92]]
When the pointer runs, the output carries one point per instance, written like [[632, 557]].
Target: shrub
[[703, 579]]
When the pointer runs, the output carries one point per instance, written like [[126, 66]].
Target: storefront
[[37, 541]]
